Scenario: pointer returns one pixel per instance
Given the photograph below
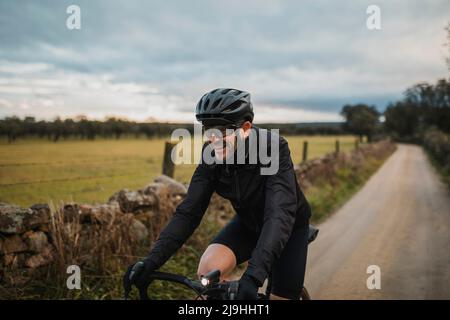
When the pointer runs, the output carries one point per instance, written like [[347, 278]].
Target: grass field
[[40, 171]]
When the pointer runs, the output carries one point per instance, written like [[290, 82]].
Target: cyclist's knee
[[217, 256]]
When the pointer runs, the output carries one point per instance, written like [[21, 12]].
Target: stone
[[8, 260], [71, 212], [12, 218], [138, 230], [40, 216], [131, 201], [175, 187], [12, 244], [85, 213], [145, 217], [105, 213], [36, 241], [14, 261], [16, 220], [101, 213], [41, 259]]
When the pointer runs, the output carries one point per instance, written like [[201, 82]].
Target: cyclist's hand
[[248, 288], [138, 274]]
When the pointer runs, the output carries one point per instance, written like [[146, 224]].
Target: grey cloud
[[186, 48]]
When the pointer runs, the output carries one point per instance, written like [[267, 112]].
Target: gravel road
[[399, 221]]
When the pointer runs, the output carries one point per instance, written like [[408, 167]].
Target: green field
[[40, 171]]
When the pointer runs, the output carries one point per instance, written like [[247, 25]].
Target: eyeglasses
[[214, 130]]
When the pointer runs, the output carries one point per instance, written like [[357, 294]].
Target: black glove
[[138, 274], [248, 288]]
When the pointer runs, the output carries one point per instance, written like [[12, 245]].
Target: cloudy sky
[[300, 60]]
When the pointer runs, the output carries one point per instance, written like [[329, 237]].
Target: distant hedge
[[438, 144], [13, 128]]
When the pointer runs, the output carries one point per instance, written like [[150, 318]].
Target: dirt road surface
[[399, 221]]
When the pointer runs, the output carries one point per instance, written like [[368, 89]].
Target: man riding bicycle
[[270, 228]]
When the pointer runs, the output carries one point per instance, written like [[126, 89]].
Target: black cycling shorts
[[288, 272]]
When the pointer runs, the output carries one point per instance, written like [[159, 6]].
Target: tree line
[[424, 106], [81, 128], [422, 116], [14, 128]]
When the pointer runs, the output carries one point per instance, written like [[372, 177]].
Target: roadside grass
[[443, 171], [326, 197]]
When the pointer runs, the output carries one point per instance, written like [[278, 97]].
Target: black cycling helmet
[[224, 106]]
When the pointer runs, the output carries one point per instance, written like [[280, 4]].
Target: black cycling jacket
[[269, 204]]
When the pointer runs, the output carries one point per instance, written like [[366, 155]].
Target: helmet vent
[[233, 106], [216, 103], [206, 104]]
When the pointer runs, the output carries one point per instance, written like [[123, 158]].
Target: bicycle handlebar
[[211, 288]]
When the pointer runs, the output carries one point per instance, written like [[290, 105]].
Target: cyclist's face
[[223, 139]]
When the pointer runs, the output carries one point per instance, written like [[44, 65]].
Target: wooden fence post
[[337, 146], [305, 150], [168, 165]]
